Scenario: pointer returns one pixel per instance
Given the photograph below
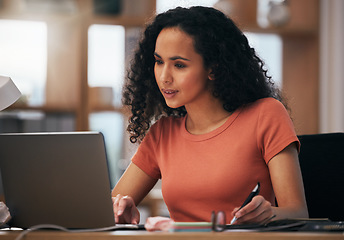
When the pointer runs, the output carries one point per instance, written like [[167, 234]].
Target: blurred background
[[69, 59]]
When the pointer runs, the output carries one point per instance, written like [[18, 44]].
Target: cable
[[57, 227]]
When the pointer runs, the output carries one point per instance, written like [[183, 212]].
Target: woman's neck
[[205, 118]]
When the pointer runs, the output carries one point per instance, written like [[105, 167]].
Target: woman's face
[[179, 69]]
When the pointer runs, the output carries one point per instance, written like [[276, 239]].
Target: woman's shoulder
[[166, 122], [161, 128], [264, 108], [269, 101], [267, 104]]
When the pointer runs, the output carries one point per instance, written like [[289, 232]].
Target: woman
[[220, 125]]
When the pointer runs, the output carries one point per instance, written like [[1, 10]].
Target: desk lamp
[[9, 93]]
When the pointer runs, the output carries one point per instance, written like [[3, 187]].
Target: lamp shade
[[9, 93]]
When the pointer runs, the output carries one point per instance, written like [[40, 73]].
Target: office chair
[[322, 165]]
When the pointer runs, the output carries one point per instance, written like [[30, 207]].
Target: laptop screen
[[56, 178]]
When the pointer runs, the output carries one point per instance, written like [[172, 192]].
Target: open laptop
[[56, 178]]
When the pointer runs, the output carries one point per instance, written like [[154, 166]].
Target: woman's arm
[[287, 183], [132, 187]]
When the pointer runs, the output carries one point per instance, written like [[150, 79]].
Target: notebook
[[56, 178]]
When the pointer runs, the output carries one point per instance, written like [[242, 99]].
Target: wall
[[332, 66]]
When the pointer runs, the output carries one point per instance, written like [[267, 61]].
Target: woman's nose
[[166, 76]]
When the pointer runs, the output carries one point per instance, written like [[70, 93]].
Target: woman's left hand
[[258, 210]]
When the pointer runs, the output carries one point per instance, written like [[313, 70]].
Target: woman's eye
[[157, 61], [178, 65]]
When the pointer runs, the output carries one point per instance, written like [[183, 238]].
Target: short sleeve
[[275, 129], [146, 157]]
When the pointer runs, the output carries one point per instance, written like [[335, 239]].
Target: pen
[[254, 192]]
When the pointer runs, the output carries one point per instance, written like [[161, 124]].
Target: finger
[[115, 205], [116, 199], [235, 210], [258, 214], [250, 207], [249, 218], [127, 211], [135, 216], [124, 203], [262, 218]]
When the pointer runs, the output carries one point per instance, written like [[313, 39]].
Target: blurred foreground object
[[9, 93], [4, 214]]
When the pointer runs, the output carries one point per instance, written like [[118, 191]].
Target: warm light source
[[9, 93]]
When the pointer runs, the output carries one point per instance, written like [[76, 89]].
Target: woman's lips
[[169, 93]]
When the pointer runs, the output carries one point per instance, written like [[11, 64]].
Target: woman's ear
[[211, 75]]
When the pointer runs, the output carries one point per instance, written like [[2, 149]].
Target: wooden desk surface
[[142, 235]]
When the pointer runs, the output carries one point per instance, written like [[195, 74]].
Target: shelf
[[106, 109], [49, 109]]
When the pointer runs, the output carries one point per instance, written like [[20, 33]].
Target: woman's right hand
[[125, 210]]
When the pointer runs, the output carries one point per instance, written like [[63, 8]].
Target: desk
[[142, 235]]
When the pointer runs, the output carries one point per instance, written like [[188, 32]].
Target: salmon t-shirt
[[217, 170]]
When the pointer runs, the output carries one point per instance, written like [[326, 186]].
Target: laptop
[[56, 178]]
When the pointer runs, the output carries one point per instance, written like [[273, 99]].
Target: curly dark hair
[[240, 75]]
